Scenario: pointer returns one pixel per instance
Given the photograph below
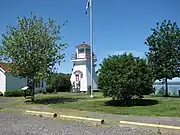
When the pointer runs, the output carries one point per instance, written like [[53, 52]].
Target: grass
[[150, 106]]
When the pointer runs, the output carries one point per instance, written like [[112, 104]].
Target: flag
[[87, 6]]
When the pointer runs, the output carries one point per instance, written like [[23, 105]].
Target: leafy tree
[[61, 83], [122, 76], [32, 47], [164, 51], [51, 78]]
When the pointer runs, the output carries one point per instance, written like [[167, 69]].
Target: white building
[[81, 72], [9, 82]]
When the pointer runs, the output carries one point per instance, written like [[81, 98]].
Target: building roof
[[4, 66], [82, 45]]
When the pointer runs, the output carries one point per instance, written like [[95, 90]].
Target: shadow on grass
[[56, 100], [133, 102]]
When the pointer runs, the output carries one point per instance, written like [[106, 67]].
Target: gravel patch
[[5, 99], [18, 124]]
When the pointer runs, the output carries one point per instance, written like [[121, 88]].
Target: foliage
[[61, 83], [49, 89], [32, 47], [51, 78], [122, 76], [13, 93], [164, 51]]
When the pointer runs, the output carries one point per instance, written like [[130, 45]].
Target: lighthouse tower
[[81, 72]]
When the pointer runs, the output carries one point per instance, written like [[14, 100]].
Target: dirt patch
[[5, 99]]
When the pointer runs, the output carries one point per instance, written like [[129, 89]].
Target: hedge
[[14, 93], [49, 89]]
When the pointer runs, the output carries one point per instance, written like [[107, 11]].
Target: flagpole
[[91, 45]]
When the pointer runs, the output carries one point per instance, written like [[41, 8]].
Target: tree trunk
[[33, 89], [166, 88]]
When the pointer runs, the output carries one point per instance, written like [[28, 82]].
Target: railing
[[74, 56]]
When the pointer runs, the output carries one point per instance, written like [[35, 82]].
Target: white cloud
[[135, 53]]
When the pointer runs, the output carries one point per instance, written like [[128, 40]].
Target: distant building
[[9, 82], [173, 86], [81, 72]]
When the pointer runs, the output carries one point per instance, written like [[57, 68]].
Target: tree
[[61, 83], [122, 76], [33, 47], [164, 51]]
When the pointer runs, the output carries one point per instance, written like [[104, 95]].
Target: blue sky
[[119, 25]]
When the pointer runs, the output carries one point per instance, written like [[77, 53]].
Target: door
[[77, 85]]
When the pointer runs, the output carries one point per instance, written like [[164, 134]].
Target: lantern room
[[83, 51]]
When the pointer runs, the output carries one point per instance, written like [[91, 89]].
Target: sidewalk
[[172, 121]]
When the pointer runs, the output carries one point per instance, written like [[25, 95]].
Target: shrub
[[13, 93], [27, 93], [123, 76], [61, 83], [1, 94], [49, 89]]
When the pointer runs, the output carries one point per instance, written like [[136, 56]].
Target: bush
[[27, 92], [14, 93], [61, 83], [1, 94], [49, 89], [123, 76]]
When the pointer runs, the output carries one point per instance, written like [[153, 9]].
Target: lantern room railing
[[86, 56]]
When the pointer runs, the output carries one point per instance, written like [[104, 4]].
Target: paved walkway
[[173, 121]]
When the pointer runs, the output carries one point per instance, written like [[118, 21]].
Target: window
[[42, 84], [77, 77], [81, 50], [88, 50]]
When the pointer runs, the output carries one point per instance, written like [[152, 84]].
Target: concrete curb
[[54, 115], [83, 118], [150, 125]]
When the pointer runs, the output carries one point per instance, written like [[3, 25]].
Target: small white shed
[[9, 82]]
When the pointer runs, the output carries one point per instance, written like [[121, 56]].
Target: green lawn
[[152, 106]]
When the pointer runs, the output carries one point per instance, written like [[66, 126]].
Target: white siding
[[2, 81], [41, 89], [84, 67], [83, 80], [9, 82]]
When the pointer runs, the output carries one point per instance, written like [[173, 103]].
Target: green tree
[[61, 83], [32, 48], [164, 51], [122, 76]]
